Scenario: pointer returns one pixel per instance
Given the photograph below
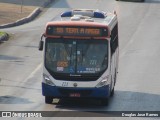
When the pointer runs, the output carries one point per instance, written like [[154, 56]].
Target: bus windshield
[[76, 56]]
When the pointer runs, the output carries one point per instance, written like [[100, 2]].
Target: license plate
[[75, 95]]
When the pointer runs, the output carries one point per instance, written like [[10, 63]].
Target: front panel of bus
[[76, 67]]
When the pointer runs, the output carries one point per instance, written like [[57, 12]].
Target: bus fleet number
[[64, 84]]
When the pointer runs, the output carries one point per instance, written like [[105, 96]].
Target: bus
[[81, 54]]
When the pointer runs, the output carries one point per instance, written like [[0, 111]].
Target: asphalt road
[[137, 87]]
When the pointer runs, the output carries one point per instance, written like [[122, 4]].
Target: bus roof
[[86, 17]]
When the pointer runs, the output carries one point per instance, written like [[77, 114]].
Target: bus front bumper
[[63, 92]]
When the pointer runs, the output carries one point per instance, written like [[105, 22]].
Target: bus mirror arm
[[41, 43]]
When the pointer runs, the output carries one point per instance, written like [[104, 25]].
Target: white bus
[[80, 55]]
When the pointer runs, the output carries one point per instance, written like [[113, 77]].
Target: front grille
[[66, 92], [76, 78]]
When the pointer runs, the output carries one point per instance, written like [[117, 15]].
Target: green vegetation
[[3, 36], [2, 33]]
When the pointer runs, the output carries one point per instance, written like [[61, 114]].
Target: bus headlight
[[47, 80], [103, 82]]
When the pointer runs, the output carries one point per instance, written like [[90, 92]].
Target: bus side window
[[114, 39]]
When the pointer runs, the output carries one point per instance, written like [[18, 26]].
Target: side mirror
[[41, 45], [41, 42]]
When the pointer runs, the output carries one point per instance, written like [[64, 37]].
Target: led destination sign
[[77, 31]]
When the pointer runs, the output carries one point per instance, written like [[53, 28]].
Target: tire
[[112, 92], [112, 89], [115, 78], [48, 100]]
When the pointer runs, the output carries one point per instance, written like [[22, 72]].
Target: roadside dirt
[[13, 10]]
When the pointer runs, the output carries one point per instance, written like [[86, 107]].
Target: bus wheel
[[48, 100], [112, 89], [115, 77], [112, 92], [104, 101]]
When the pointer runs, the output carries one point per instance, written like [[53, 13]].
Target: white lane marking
[[34, 71]]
